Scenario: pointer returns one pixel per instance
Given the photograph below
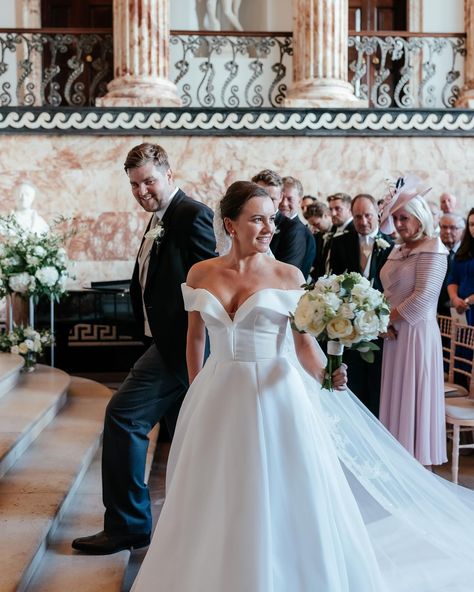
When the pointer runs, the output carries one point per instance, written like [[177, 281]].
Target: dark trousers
[[150, 392], [364, 379]]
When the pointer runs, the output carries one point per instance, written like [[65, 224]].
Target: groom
[[364, 251], [178, 235]]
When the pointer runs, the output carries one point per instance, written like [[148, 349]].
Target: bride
[[274, 484]]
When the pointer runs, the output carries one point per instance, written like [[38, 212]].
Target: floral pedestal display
[[345, 311], [26, 342], [30, 362]]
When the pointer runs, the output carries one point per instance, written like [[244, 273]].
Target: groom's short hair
[[145, 153]]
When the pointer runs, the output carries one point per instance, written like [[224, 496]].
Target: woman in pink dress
[[412, 393]]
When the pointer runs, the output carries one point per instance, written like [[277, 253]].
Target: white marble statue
[[26, 216], [224, 8]]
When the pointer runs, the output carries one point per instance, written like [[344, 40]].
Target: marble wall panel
[[82, 177]]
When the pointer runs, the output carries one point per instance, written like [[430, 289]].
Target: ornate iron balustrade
[[231, 69], [424, 70], [52, 68], [71, 68]]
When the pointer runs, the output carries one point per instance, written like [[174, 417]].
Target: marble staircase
[[50, 429]]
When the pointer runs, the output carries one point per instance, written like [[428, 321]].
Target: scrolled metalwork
[[407, 71], [213, 70], [54, 69], [222, 70]]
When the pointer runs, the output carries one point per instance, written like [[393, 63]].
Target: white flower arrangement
[[156, 233], [26, 342], [345, 311], [31, 264], [382, 243]]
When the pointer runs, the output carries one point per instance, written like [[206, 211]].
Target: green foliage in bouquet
[[345, 311]]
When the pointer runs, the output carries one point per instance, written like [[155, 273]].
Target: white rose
[[29, 344], [12, 261], [339, 327], [32, 260], [346, 310], [19, 282], [40, 251], [15, 349], [303, 313], [48, 275], [332, 301], [367, 324], [30, 333], [316, 327], [383, 323], [23, 348]]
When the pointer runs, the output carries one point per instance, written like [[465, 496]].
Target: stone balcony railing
[[55, 68]]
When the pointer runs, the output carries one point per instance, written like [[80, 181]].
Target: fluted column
[[466, 98], [320, 50], [141, 58]]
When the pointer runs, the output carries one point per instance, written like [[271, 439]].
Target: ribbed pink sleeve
[[429, 275]]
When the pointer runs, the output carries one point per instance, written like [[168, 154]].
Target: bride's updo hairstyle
[[237, 195]]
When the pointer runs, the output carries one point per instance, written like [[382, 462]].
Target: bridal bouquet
[[26, 342], [31, 264], [345, 311]]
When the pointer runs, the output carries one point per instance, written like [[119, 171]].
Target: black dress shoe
[[106, 544]]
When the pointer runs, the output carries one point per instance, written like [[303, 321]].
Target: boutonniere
[[382, 243], [156, 233], [327, 236], [276, 231]]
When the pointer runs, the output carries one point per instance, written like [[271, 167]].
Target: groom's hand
[[339, 378]]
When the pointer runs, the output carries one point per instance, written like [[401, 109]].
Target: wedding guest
[[292, 193], [451, 231], [436, 213], [364, 251], [340, 208], [289, 240], [447, 202], [412, 393], [306, 201], [319, 221], [461, 277], [179, 234]]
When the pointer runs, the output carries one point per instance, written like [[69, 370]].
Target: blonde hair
[[418, 208]]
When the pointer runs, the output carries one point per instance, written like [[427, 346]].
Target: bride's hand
[[339, 378]]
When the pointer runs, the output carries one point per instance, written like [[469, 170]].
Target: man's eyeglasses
[[445, 227]]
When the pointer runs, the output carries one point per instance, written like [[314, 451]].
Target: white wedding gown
[[275, 485]]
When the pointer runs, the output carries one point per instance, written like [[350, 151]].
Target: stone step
[[10, 366], [27, 409], [64, 569], [37, 490]]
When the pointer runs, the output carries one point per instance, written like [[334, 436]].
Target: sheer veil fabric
[[275, 484]]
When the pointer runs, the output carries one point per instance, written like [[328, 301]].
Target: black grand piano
[[95, 329]]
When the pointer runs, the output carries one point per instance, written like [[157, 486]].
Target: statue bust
[[27, 217]]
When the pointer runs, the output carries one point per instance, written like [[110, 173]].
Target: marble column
[[320, 33], [141, 56], [466, 99]]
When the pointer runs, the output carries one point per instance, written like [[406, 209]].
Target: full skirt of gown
[[274, 485]]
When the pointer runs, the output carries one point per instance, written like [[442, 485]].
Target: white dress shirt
[[366, 246], [144, 256]]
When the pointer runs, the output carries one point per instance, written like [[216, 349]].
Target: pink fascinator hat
[[406, 188]]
